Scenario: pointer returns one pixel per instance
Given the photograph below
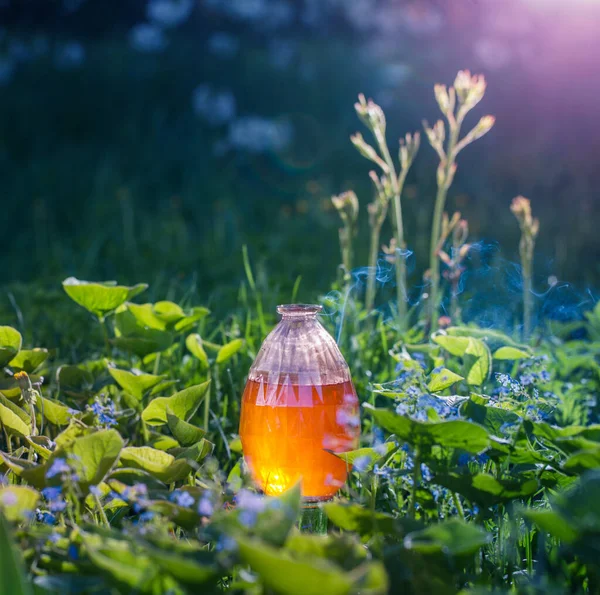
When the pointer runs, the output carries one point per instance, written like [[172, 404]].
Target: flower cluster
[[104, 410]]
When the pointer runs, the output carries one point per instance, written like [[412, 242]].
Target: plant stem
[[526, 271], [101, 511], [416, 479], [459, 506], [207, 401], [372, 278], [436, 228], [397, 187]]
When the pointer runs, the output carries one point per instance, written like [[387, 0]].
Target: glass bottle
[[298, 404]]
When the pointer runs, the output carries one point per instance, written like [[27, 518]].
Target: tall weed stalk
[[521, 208], [455, 103], [389, 187]]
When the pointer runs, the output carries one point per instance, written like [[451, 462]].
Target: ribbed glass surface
[[299, 406]]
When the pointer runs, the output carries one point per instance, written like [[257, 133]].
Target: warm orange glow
[[285, 430]]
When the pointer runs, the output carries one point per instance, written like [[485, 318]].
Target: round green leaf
[[136, 384], [229, 350], [511, 353], [442, 380], [194, 344], [182, 404], [100, 298], [10, 344], [18, 503], [29, 359]]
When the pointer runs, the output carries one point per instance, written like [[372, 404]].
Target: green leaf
[[194, 344], [551, 522], [442, 380], [185, 433], [368, 456], [75, 381], [485, 489], [160, 464], [11, 565], [123, 564], [366, 522], [511, 353], [280, 572], [55, 412], [229, 350], [10, 344], [130, 477], [190, 320], [453, 345], [478, 353], [91, 456], [136, 384], [488, 335], [187, 570], [18, 503], [450, 434], [453, 538], [29, 359], [170, 312], [583, 460], [182, 404], [490, 417], [100, 298], [13, 423], [195, 453]]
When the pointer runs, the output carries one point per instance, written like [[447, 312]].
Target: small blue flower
[[425, 472], [54, 537], [58, 467], [402, 409], [52, 493], [464, 459], [45, 517], [248, 518], [95, 491], [146, 517], [545, 375], [361, 464], [181, 498], [413, 392], [225, 544], [205, 506], [249, 501], [73, 552], [527, 379]]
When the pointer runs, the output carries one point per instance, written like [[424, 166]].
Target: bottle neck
[[299, 311]]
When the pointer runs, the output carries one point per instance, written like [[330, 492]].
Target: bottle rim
[[299, 310]]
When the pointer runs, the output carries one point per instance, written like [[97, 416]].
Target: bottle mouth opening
[[299, 310]]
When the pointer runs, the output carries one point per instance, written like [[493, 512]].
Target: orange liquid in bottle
[[287, 429]]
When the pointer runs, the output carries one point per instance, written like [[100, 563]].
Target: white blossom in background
[[71, 6], [7, 69], [216, 107], [421, 18], [69, 55], [395, 74], [265, 14], [281, 53], [223, 45], [19, 51], [169, 13], [492, 53], [147, 38], [258, 135], [280, 14], [248, 10], [361, 13]]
